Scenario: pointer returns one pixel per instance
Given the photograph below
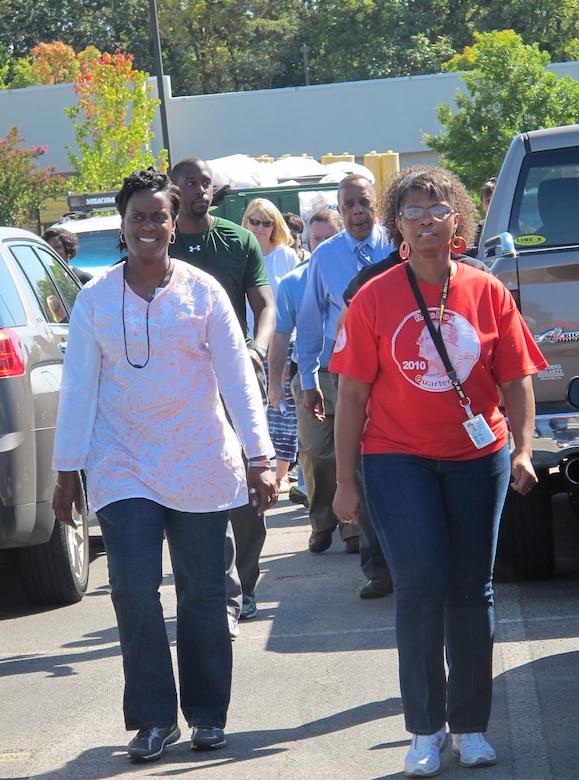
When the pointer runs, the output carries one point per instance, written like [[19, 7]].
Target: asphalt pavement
[[315, 689]]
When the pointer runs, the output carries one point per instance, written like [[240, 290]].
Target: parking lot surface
[[315, 687]]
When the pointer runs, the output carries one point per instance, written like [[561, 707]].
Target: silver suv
[[531, 240], [37, 292]]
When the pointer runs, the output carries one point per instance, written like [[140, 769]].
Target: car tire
[[57, 572], [526, 548]]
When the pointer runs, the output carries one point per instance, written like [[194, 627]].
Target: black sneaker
[[207, 738], [150, 743]]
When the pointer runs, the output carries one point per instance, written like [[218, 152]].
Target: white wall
[[356, 117]]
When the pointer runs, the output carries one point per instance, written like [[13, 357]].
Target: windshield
[[97, 249]]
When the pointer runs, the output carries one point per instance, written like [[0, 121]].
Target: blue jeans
[[133, 532], [438, 523]]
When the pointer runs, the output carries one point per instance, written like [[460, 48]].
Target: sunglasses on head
[[267, 223]]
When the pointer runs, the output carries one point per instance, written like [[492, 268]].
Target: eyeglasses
[[436, 212], [257, 222]]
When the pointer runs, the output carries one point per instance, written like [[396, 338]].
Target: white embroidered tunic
[[159, 432]]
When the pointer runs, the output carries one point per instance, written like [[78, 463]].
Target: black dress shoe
[[320, 541], [352, 544], [376, 588], [207, 738]]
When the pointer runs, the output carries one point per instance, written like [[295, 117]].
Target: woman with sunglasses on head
[[424, 351], [155, 356], [266, 222]]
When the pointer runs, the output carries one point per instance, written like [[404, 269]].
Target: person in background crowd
[[65, 244], [265, 221], [323, 224], [486, 194], [296, 227], [419, 389], [232, 255], [333, 264], [155, 354]]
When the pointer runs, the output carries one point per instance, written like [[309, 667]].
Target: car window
[[67, 286], [11, 309], [46, 292], [546, 205]]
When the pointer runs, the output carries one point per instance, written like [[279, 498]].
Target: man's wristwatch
[[261, 351]]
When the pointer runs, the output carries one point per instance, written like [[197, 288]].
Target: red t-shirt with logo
[[413, 407]]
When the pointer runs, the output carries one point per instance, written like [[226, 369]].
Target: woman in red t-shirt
[[424, 351]]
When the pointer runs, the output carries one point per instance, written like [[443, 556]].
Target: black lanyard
[[435, 334]]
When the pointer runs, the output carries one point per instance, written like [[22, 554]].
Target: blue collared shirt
[[332, 265]]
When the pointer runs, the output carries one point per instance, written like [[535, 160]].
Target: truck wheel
[[57, 572], [526, 548]]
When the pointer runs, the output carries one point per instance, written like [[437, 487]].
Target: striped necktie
[[363, 256]]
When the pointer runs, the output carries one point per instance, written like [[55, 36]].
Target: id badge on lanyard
[[478, 429]]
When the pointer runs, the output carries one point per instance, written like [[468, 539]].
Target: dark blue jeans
[[133, 532], [438, 523]]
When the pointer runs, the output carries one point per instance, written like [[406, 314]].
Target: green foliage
[[509, 92], [231, 45], [111, 122], [552, 24], [24, 186], [22, 74]]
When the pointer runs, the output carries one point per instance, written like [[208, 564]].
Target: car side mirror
[[500, 246], [573, 392]]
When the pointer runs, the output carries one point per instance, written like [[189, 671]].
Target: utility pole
[[160, 82], [304, 49]]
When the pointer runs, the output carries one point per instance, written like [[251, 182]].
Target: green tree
[[229, 45], [509, 92], [554, 26], [352, 40], [112, 122], [24, 186]]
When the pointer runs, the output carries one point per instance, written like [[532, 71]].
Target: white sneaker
[[423, 757], [473, 750], [233, 627]]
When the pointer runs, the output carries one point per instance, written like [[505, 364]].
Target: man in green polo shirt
[[232, 255]]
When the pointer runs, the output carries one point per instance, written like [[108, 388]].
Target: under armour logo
[[196, 248]]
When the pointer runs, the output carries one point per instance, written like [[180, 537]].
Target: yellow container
[[372, 162], [331, 158], [382, 165]]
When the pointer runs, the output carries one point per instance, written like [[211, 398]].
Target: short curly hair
[[68, 240], [146, 179], [439, 184]]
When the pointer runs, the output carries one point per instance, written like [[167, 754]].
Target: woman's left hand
[[263, 493], [347, 503], [523, 477]]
